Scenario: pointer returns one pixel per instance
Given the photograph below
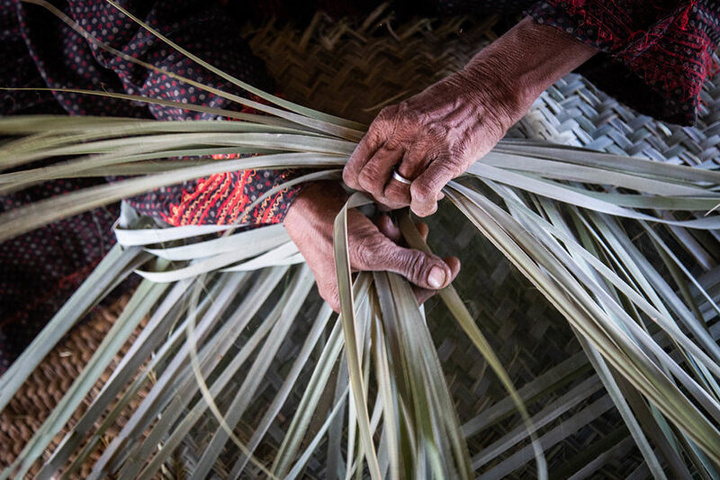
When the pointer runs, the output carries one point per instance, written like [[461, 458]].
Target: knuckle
[[387, 116], [437, 131], [409, 117], [402, 109], [370, 180], [423, 190], [362, 259], [330, 294], [365, 252], [394, 143], [439, 152], [443, 170], [417, 265]]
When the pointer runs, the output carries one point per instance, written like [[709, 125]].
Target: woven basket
[[354, 69]]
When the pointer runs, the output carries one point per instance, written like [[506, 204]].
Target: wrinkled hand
[[436, 135], [429, 139], [373, 247]]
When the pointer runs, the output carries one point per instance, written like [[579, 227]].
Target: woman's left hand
[[414, 148], [430, 139]]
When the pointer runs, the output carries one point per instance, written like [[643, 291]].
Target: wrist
[[312, 207]]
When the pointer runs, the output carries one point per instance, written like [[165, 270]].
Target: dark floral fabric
[[40, 270], [667, 45]]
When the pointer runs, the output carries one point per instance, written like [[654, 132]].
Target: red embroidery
[[667, 43], [236, 201], [223, 199]]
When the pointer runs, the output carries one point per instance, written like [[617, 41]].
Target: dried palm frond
[[364, 393]]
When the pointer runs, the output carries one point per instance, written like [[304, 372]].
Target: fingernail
[[436, 279]]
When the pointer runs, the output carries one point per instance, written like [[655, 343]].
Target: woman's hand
[[430, 139], [373, 247], [436, 135]]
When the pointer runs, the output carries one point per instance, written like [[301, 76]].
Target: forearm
[[524, 62]]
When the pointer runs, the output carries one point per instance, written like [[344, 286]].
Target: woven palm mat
[[352, 70], [44, 389]]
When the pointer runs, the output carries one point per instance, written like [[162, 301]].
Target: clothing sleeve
[[667, 45], [202, 28]]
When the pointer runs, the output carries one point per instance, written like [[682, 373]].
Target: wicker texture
[[573, 112], [44, 389], [353, 70]]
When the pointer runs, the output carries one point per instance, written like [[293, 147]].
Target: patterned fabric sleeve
[[56, 259], [199, 26], [667, 45], [220, 198]]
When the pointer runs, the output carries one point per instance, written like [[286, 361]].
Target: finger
[[362, 154], [396, 194], [376, 173], [423, 294], [422, 229], [379, 132], [426, 189], [422, 269], [329, 292], [389, 229], [412, 164]]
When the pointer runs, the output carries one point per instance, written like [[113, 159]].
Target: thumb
[[426, 189], [424, 270]]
